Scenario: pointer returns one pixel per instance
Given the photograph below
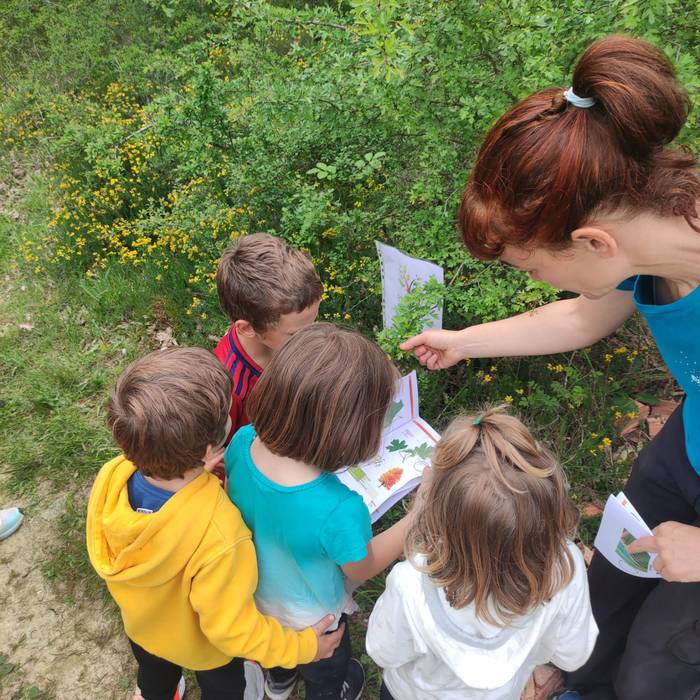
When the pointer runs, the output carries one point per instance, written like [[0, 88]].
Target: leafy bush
[[329, 126]]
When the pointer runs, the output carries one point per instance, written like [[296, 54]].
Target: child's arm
[[387, 546], [382, 550], [390, 641], [222, 595]]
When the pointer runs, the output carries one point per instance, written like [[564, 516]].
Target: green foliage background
[[164, 129]]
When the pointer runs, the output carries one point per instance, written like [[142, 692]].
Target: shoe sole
[[12, 530], [362, 687], [180, 692], [279, 696]]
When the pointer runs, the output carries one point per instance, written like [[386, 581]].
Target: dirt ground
[[62, 645]]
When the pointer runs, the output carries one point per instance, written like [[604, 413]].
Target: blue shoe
[[10, 520]]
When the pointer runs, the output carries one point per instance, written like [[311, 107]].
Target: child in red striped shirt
[[269, 290]]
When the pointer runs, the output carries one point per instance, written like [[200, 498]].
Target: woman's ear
[[595, 240]]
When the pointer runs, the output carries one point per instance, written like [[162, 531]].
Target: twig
[[456, 275], [316, 23], [125, 139]]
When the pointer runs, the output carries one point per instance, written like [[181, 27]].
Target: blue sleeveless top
[[676, 330]]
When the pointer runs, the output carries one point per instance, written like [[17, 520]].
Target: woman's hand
[[677, 549], [435, 349]]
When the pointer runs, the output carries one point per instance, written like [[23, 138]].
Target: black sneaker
[[354, 681], [279, 690]]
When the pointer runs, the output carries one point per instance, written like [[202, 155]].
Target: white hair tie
[[576, 101]]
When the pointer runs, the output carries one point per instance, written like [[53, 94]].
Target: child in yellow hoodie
[[174, 551]]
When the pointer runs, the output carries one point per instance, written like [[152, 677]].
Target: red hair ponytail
[[547, 166]]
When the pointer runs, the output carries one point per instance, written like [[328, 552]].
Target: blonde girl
[[492, 585]]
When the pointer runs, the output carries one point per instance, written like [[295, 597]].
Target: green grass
[[63, 341]]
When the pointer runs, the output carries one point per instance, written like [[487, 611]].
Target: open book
[[621, 525], [407, 443]]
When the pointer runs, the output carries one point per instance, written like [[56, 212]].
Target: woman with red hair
[[581, 188]]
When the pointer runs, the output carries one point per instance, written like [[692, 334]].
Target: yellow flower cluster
[[108, 219], [21, 128], [631, 355], [122, 105]]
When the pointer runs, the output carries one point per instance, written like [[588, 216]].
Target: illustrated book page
[[400, 274], [407, 444]]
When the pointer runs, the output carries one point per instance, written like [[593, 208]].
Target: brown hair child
[[177, 558], [319, 407], [269, 291]]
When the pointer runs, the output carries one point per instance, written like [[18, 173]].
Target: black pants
[[324, 678], [649, 642], [158, 678], [384, 693]]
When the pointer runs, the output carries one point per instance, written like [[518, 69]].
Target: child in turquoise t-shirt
[[318, 408]]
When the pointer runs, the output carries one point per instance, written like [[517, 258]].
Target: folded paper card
[[621, 525], [400, 275]]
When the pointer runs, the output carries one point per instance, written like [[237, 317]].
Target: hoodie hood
[[139, 548], [481, 655], [431, 651]]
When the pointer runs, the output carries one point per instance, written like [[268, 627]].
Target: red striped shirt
[[244, 372]]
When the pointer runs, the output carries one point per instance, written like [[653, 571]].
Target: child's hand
[[213, 458], [327, 643]]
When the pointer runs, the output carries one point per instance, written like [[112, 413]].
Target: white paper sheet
[[621, 525], [400, 273]]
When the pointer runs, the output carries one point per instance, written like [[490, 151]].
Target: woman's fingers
[[413, 342], [643, 544], [433, 360]]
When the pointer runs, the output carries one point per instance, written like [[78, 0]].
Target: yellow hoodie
[[184, 577]]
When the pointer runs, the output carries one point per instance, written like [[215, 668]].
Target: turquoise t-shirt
[[676, 330], [302, 535]]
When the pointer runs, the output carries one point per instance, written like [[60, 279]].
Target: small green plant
[[418, 305]]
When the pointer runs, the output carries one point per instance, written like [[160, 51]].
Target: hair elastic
[[477, 421], [576, 101]]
